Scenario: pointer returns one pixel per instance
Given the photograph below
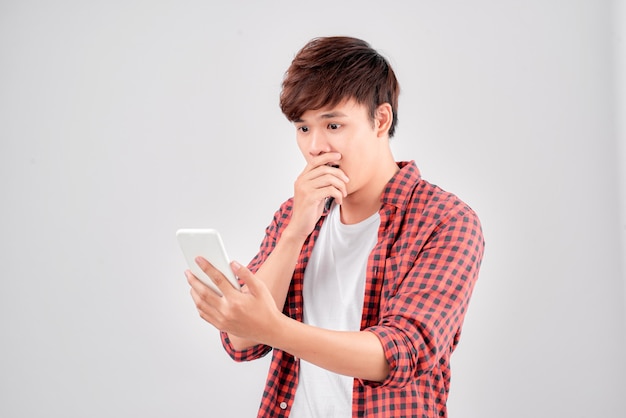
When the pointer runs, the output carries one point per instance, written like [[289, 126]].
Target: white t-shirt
[[334, 285]]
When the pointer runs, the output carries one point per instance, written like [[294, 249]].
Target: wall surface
[[122, 121], [619, 46]]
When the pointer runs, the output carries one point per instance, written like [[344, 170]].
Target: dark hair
[[328, 70]]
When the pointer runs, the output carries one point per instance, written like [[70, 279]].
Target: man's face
[[347, 129]]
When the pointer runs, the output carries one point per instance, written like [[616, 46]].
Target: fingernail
[[236, 265]]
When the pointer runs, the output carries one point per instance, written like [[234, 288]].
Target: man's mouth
[[333, 165]]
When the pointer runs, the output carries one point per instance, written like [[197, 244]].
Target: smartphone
[[206, 243]]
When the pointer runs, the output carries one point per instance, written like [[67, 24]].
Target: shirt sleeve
[[272, 233], [428, 285]]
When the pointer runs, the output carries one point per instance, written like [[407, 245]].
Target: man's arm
[[252, 315], [422, 318], [357, 354]]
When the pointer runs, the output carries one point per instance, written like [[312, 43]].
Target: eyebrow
[[329, 115]]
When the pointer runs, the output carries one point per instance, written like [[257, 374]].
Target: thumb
[[246, 276]]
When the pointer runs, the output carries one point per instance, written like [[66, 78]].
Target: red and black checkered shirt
[[419, 280]]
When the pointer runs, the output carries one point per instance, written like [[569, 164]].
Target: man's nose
[[318, 144]]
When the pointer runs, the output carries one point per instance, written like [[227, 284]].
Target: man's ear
[[383, 119]]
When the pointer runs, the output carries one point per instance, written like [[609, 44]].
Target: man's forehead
[[340, 110]]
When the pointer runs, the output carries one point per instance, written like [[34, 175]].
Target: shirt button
[[283, 405]]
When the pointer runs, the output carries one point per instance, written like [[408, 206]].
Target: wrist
[[276, 335], [293, 236]]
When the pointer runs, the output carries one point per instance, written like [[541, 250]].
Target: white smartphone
[[206, 243]]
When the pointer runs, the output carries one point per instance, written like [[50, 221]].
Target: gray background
[[121, 121]]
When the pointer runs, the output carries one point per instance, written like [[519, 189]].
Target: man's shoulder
[[438, 202]]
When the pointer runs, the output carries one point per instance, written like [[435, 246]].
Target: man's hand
[[321, 179], [249, 313]]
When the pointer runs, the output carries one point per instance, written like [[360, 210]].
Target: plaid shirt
[[419, 280]]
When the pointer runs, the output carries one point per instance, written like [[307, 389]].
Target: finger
[[319, 194], [204, 298], [324, 159], [215, 275], [249, 279], [194, 282], [327, 174], [200, 291], [328, 180], [323, 171], [322, 196], [322, 178]]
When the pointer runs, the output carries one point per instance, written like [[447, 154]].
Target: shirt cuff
[[248, 354], [399, 354]]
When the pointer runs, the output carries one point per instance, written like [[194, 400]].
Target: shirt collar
[[401, 185]]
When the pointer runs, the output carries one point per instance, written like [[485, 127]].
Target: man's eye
[[303, 129], [333, 126]]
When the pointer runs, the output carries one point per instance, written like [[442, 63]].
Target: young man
[[364, 276]]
